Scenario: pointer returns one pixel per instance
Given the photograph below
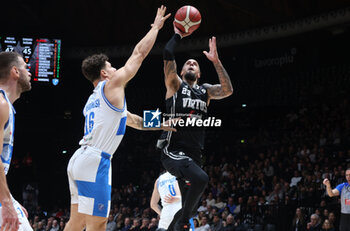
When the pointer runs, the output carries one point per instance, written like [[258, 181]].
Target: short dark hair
[[7, 61], [92, 65]]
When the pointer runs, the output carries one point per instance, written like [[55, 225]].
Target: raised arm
[[155, 199], [224, 89], [141, 50], [172, 80], [331, 192], [9, 214]]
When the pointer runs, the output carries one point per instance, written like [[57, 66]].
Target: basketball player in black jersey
[[181, 151]]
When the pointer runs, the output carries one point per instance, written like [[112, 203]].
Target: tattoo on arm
[[169, 68], [224, 78], [224, 89]]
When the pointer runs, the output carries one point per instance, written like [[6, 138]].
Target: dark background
[[49, 119]]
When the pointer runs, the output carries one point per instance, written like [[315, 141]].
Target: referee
[[344, 191]]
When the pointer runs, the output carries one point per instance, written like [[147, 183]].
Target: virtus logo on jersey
[[151, 118]]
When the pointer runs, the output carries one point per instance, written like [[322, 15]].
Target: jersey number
[[89, 123], [172, 190]]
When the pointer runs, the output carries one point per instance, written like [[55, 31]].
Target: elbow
[[229, 92]]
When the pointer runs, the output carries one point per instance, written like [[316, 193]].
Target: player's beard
[[23, 82], [190, 76]]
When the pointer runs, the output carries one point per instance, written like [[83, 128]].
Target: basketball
[[187, 19]]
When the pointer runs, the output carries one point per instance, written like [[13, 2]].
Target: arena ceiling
[[109, 22]]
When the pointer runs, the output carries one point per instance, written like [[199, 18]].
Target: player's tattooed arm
[[224, 89], [172, 80]]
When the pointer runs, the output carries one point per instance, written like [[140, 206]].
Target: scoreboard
[[41, 55]]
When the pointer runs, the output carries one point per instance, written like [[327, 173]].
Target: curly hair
[[7, 61], [92, 65]]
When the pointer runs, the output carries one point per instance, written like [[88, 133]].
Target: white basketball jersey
[[9, 129], [166, 185], [104, 123]]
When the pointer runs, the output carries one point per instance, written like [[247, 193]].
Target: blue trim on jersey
[[108, 103], [341, 186], [100, 190], [5, 149], [7, 123], [122, 126]]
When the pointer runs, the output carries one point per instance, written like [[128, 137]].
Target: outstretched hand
[[212, 55], [160, 18]]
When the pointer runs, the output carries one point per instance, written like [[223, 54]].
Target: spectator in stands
[[327, 226], [314, 224], [217, 223], [127, 224], [333, 220], [145, 224], [294, 181], [203, 207], [219, 203], [204, 226], [210, 199], [230, 205], [62, 225], [195, 223], [299, 222], [111, 224], [229, 225], [153, 225], [40, 226], [55, 226], [135, 225]]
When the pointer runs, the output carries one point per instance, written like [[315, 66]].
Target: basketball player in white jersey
[[106, 116], [14, 80], [167, 190]]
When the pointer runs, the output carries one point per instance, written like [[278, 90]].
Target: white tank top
[[9, 129], [166, 185], [104, 123]]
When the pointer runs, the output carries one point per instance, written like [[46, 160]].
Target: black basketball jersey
[[189, 104]]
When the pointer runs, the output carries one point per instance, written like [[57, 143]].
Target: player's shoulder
[[206, 85], [3, 102], [4, 109], [340, 186]]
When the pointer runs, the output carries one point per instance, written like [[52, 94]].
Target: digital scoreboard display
[[41, 55]]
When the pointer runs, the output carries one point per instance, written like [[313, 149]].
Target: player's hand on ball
[[326, 182], [160, 18], [182, 34], [212, 55]]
